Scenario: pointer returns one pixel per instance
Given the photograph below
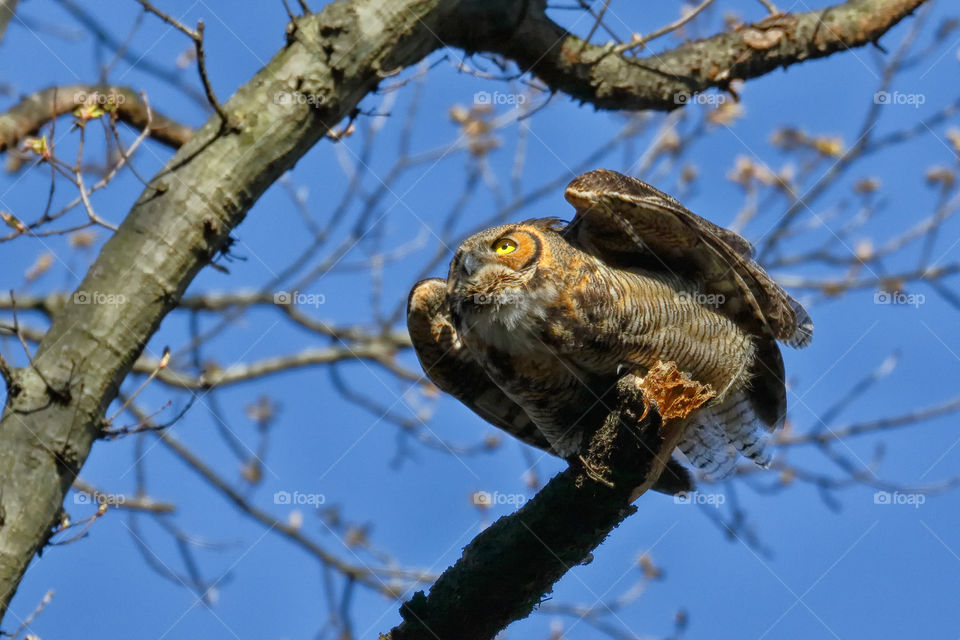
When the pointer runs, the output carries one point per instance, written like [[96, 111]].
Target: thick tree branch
[[55, 409], [34, 111], [506, 571], [665, 81]]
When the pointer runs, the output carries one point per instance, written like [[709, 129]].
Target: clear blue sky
[[852, 569]]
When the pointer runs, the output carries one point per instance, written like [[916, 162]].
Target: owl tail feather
[[718, 434], [803, 335], [674, 479]]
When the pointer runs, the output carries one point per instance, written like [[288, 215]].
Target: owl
[[538, 320]]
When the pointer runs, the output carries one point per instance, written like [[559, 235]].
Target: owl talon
[[628, 368], [647, 404]]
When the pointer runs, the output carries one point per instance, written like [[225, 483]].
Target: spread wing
[[627, 222], [453, 369]]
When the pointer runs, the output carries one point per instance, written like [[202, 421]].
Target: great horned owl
[[538, 320]]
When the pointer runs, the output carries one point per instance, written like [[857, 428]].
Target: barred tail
[[719, 434], [803, 335]]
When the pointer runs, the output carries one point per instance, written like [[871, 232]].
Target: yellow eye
[[505, 246]]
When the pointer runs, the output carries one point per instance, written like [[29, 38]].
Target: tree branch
[[506, 571], [382, 352], [120, 501], [665, 81], [180, 222], [376, 578], [37, 109]]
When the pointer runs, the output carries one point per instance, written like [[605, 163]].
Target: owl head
[[495, 269]]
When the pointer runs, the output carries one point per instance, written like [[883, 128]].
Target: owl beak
[[470, 264]]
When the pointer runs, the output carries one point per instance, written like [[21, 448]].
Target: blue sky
[[840, 568]]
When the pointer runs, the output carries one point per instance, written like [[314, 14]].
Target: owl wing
[[451, 367], [627, 222]]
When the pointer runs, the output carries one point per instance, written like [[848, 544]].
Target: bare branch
[[641, 41], [35, 110], [379, 352], [374, 578], [119, 501], [550, 534], [595, 74]]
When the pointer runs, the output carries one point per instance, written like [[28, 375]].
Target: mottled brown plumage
[[538, 320]]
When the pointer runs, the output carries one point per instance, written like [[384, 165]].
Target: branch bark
[[55, 406], [665, 81], [37, 109], [506, 571]]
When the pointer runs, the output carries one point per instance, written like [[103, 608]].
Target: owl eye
[[504, 246]]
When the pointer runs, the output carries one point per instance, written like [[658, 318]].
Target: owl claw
[[626, 368], [647, 403]]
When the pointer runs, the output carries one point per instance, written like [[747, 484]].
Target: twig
[[197, 36], [120, 501], [673, 26], [770, 7], [597, 22], [202, 67], [881, 424], [164, 361], [138, 60], [62, 396], [6, 371], [170, 20], [47, 597], [81, 187], [369, 577]]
